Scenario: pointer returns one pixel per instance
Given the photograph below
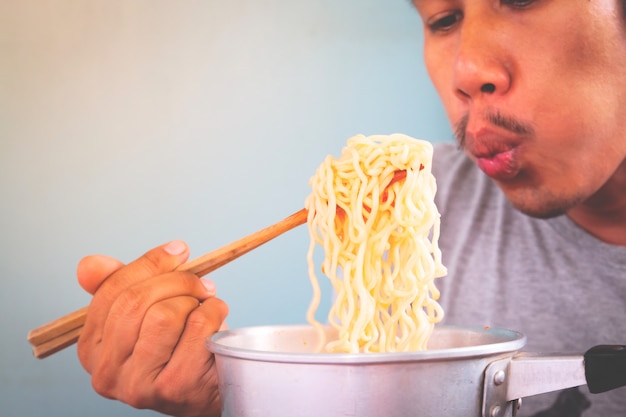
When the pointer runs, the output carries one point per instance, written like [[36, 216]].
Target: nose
[[481, 64]]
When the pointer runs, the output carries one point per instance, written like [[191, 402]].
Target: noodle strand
[[379, 239]]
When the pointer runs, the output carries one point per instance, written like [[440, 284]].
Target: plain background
[[126, 124]]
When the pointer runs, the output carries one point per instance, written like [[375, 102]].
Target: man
[[535, 91]]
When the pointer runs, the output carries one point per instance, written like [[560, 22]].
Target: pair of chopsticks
[[63, 332]]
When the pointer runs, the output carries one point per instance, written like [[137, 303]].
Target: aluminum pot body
[[275, 371]]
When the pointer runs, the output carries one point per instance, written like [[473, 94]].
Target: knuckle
[[163, 316], [168, 390], [131, 300], [134, 397], [152, 262], [158, 394], [211, 314], [221, 306], [167, 314], [187, 394], [102, 384], [135, 392], [188, 282], [158, 261], [137, 399]]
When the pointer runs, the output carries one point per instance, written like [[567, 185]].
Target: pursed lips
[[495, 152], [494, 141]]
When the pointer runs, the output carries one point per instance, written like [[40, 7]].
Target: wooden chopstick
[[63, 332], [57, 328], [48, 347]]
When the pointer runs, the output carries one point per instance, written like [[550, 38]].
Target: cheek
[[440, 73], [573, 154], [433, 68]]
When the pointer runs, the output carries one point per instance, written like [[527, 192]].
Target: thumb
[[94, 269]]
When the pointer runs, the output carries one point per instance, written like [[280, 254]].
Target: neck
[[604, 214]]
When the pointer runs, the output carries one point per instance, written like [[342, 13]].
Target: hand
[[144, 338]]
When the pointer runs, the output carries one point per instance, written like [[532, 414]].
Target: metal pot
[[467, 371]]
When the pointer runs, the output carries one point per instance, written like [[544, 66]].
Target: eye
[[518, 4], [443, 22]]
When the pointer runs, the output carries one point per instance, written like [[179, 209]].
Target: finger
[[128, 313], [93, 270], [201, 323], [160, 331], [160, 260], [193, 361], [155, 262]]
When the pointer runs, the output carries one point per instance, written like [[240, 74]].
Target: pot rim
[[502, 341]]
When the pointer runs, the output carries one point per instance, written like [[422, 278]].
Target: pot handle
[[605, 367]]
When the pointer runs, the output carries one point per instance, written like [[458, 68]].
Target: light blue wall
[[125, 124]]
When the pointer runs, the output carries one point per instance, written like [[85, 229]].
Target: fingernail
[[209, 285], [175, 247]]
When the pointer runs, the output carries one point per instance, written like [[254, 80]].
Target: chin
[[541, 207], [540, 212]]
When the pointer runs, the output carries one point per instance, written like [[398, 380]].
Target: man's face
[[536, 92]]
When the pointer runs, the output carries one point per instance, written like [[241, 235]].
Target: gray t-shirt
[[548, 279]]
